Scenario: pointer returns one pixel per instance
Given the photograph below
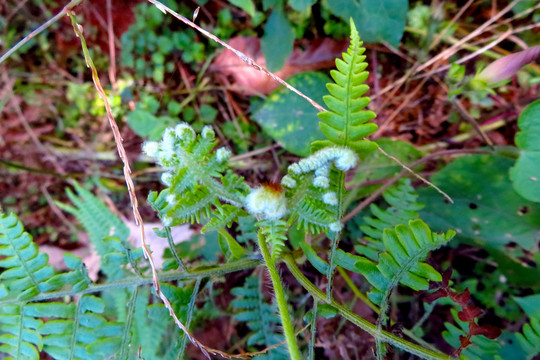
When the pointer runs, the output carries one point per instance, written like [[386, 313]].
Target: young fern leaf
[[406, 246], [261, 318], [275, 232], [198, 179], [346, 123], [402, 208], [26, 269]]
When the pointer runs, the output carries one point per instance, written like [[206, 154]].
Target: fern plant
[[113, 317], [261, 318]]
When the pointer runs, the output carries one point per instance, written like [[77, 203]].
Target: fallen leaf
[[313, 55]]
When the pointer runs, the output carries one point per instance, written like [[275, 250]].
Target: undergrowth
[[67, 315]]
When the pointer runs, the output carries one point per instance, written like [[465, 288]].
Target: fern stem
[[126, 338], [191, 308], [173, 249], [141, 281], [362, 323], [336, 237], [280, 298], [311, 355], [357, 291]]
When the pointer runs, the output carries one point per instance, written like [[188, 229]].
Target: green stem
[[214, 271], [362, 323], [280, 298], [191, 308], [311, 355], [170, 239], [336, 237]]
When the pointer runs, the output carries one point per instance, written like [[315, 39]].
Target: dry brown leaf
[[313, 55]]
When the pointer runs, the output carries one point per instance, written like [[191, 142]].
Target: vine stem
[[362, 323], [280, 298]]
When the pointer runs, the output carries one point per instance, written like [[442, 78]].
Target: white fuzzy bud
[[330, 198], [321, 182], [167, 178], [336, 226], [323, 171], [184, 132], [151, 148], [171, 199], [208, 133], [223, 154], [266, 203], [295, 169], [168, 145], [347, 159], [288, 181]]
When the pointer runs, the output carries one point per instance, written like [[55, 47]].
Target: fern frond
[[275, 233], [261, 318], [529, 338], [402, 208], [97, 219], [406, 246], [191, 206], [346, 123], [225, 216], [26, 269], [102, 226], [77, 331], [19, 336]]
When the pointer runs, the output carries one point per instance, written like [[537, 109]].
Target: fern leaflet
[[403, 207], [260, 317], [346, 124]]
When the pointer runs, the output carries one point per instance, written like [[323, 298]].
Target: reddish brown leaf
[[489, 331], [469, 313]]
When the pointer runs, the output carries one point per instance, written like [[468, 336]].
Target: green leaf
[[246, 5], [229, 246], [277, 42], [487, 212], [530, 304], [525, 174], [146, 125], [284, 125], [301, 5], [377, 21]]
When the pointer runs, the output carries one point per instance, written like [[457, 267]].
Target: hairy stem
[[280, 298], [362, 323], [336, 237]]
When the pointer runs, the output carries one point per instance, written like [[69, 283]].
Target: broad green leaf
[[525, 174], [487, 213], [291, 120], [246, 5], [301, 5], [377, 20], [147, 125], [277, 42], [530, 305]]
